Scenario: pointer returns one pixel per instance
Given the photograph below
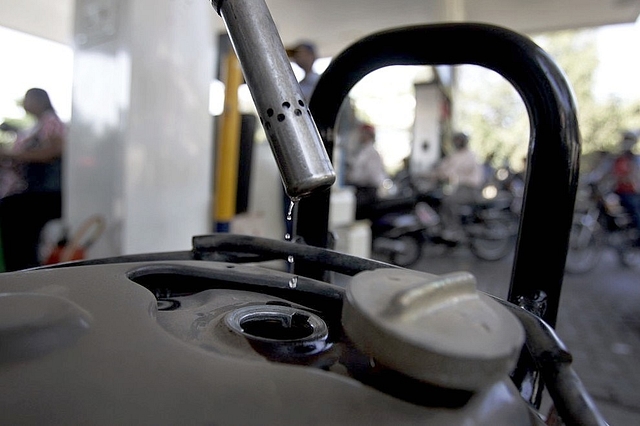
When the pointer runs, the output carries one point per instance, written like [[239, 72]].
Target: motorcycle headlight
[[489, 192]]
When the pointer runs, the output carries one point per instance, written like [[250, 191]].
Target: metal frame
[[554, 147]]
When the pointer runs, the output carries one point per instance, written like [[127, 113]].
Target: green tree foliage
[[490, 110], [493, 112], [601, 120]]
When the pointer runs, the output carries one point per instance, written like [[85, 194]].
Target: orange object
[[60, 251], [76, 247]]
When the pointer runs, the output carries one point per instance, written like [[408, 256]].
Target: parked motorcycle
[[600, 222], [489, 228], [489, 225], [399, 235]]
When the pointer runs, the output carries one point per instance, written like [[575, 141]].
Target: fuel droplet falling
[[287, 236], [292, 204], [293, 282], [290, 260]]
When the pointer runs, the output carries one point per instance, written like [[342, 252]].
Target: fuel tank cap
[[434, 328]]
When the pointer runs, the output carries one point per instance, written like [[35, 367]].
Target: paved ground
[[598, 320]]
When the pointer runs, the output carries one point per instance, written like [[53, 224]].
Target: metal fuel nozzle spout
[[296, 144]]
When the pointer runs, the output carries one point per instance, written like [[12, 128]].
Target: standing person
[[462, 171], [626, 174], [304, 55], [365, 171], [23, 215], [488, 169]]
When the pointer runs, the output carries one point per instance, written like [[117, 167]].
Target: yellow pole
[[226, 182]]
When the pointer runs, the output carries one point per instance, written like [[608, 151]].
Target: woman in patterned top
[[39, 154]]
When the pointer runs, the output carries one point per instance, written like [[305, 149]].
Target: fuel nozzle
[[296, 144]]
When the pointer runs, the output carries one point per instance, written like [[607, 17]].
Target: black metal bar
[[225, 247], [211, 247], [554, 145], [571, 399]]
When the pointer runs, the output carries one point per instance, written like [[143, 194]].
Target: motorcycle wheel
[[584, 250], [631, 258], [628, 253], [410, 253], [495, 241]]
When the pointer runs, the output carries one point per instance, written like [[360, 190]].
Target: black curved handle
[[554, 146]]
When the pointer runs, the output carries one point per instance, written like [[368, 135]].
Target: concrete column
[[140, 145], [427, 129], [455, 10]]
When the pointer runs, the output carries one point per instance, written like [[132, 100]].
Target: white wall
[[140, 145], [265, 217]]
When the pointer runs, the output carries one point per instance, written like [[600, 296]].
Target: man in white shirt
[[365, 171], [304, 55], [463, 173]]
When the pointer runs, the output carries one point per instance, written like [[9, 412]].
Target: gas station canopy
[[334, 24]]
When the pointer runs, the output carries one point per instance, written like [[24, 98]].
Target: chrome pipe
[[302, 159]]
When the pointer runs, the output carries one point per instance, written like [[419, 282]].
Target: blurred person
[[402, 180], [365, 171], [39, 154], [488, 168], [304, 55], [463, 173], [625, 171]]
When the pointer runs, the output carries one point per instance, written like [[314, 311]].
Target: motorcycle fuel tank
[[194, 342]]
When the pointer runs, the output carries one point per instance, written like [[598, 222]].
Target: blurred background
[[140, 85]]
